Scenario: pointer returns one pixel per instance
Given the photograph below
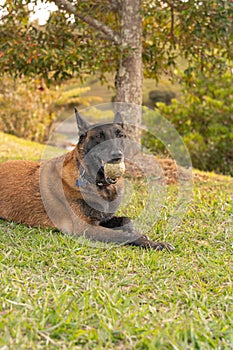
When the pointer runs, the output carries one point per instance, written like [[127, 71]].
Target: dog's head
[[101, 147]]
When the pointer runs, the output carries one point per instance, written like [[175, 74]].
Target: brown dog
[[73, 193]]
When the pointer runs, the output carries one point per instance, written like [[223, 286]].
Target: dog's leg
[[104, 234], [143, 241]]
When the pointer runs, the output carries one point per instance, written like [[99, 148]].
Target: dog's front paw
[[161, 246], [145, 242]]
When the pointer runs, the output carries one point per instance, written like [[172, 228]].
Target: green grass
[[12, 147], [61, 293]]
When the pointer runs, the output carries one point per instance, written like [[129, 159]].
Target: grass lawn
[[61, 293]]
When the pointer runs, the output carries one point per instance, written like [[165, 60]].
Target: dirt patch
[[148, 165]]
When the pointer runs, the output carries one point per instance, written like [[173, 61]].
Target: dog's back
[[20, 198]]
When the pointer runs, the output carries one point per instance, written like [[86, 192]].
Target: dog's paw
[[161, 246], [145, 242]]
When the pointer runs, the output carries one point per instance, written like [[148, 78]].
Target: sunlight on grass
[[12, 147]]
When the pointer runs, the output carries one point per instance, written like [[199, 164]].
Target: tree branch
[[108, 32]]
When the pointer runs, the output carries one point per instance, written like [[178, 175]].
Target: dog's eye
[[99, 136], [82, 138], [119, 133]]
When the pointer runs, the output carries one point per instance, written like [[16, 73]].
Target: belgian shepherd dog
[[73, 193]]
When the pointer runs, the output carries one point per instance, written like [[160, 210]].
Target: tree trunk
[[129, 76]]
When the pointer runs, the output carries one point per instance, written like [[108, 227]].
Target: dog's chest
[[100, 205]]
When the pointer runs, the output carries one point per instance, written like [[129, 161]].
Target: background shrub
[[26, 108], [164, 96], [204, 118]]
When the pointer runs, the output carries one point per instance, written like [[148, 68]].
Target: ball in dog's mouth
[[114, 170]]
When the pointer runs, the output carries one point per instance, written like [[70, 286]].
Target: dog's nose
[[117, 156]]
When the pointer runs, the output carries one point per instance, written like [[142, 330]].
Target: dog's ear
[[83, 126], [118, 118]]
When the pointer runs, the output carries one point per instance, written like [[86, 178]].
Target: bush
[[204, 118], [26, 108], [164, 96]]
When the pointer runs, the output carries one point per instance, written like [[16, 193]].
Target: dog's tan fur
[[20, 193], [29, 190]]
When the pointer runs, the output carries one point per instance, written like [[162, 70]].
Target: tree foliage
[[56, 50], [199, 31], [83, 37]]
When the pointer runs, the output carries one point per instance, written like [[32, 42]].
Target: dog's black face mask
[[98, 145]]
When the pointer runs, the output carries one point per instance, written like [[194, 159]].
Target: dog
[[73, 193]]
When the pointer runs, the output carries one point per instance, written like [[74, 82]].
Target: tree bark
[[129, 75]]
